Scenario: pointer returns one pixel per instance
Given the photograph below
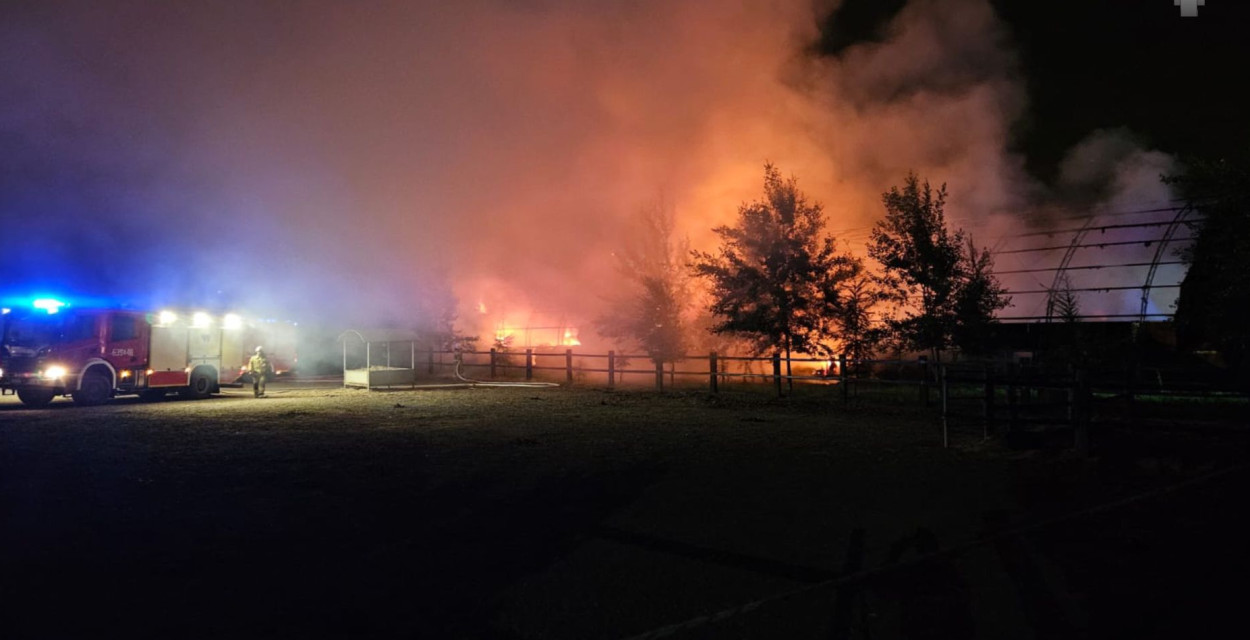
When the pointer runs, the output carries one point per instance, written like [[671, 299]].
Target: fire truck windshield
[[25, 335]]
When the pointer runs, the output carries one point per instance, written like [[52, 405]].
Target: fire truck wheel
[[201, 385], [35, 397], [95, 389]]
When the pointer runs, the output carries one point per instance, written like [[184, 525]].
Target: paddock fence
[[1027, 404], [387, 364], [1045, 406]]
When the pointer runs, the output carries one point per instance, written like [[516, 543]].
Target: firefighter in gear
[[260, 370]]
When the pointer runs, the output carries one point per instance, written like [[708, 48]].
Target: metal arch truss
[[1168, 236], [1062, 269], [1181, 218]]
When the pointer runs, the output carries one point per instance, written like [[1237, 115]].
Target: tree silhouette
[[978, 295], [857, 328], [1211, 308], [1069, 343], [777, 279], [944, 285], [649, 310], [435, 317], [1063, 303]]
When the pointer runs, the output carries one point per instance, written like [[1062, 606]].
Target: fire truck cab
[[95, 354]]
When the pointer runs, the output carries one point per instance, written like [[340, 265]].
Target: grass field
[[588, 513]]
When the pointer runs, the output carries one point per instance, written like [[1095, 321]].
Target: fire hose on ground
[[485, 383]]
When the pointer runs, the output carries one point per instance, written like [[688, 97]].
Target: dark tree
[[920, 260], [651, 302], [435, 317], [1211, 309], [856, 325], [776, 279], [947, 295], [1063, 303], [978, 296], [1067, 341]]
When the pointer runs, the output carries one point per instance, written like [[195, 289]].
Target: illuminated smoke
[[338, 161], [1110, 176]]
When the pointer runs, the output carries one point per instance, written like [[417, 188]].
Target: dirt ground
[[588, 513]]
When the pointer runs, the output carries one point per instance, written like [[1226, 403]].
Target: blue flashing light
[[51, 305]]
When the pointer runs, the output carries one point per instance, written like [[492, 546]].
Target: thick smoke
[[336, 162], [1108, 184]]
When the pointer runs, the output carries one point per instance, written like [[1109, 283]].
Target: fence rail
[[1000, 398], [709, 370], [1024, 402]]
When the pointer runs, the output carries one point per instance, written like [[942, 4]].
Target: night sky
[[1133, 64], [1097, 64], [351, 161]]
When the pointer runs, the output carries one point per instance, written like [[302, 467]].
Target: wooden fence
[[976, 400], [852, 379], [1036, 404], [710, 371]]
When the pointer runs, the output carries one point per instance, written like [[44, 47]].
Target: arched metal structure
[[1168, 235], [1062, 270], [1123, 235]]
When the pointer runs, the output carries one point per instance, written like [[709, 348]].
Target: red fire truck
[[95, 354]]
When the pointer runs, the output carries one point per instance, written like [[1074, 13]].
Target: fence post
[[1080, 412], [789, 372], [659, 375], [431, 361], [1024, 391], [712, 371], [777, 373], [611, 369], [945, 406], [568, 365], [988, 410], [1013, 406], [843, 380], [847, 598], [529, 364], [492, 362], [924, 380], [1070, 396], [1130, 382]]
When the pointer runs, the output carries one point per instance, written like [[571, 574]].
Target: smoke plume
[[336, 162]]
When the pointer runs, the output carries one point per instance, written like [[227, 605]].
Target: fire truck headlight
[[201, 320], [232, 321], [167, 317], [54, 372]]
